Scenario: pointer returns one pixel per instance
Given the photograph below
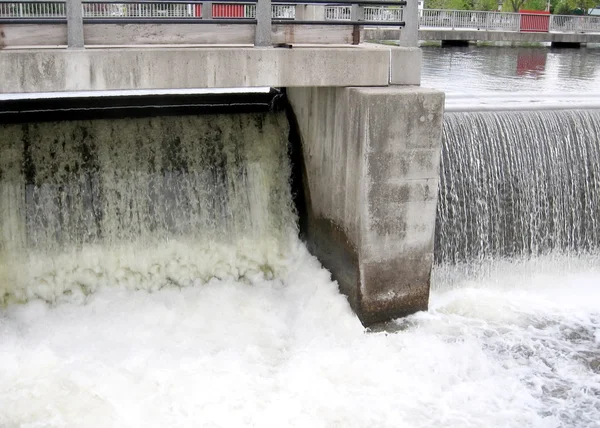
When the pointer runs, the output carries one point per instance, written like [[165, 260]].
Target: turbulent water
[[520, 349], [238, 326], [141, 203]]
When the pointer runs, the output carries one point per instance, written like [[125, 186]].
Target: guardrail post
[[75, 24], [262, 36], [487, 21], [207, 10], [409, 34], [310, 13], [453, 20], [357, 13]]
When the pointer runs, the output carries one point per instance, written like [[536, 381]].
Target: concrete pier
[[371, 160]]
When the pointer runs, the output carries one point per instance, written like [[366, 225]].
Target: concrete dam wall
[[156, 193]]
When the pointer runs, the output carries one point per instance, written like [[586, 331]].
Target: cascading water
[[518, 184], [141, 203], [171, 199]]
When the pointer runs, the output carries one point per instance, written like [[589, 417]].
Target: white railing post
[[453, 19], [207, 10], [519, 23], [487, 21], [409, 34], [75, 24], [262, 36], [310, 13], [357, 13]]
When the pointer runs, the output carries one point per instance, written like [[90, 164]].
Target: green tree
[[535, 5], [486, 5], [513, 5], [573, 6], [449, 4]]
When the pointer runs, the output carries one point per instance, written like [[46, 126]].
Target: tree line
[[560, 7]]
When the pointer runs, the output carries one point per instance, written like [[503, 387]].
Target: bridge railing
[[574, 24], [461, 19], [371, 13], [341, 15], [503, 21], [193, 9], [37, 9]]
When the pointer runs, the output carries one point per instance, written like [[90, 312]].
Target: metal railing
[[575, 24], [371, 13], [501, 21], [140, 10], [374, 14], [261, 13], [190, 9], [36, 9], [278, 11], [338, 13], [383, 13]]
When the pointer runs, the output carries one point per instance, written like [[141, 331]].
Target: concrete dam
[[147, 192]]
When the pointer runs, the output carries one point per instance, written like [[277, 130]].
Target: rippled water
[[475, 70]]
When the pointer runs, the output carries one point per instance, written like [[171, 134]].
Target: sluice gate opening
[[141, 192]]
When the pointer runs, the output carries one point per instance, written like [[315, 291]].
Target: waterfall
[[141, 203], [515, 185]]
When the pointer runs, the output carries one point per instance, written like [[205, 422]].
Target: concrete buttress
[[371, 161]]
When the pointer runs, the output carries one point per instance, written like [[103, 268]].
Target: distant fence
[[513, 22], [369, 13]]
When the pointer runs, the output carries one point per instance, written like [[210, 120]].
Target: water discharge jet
[[142, 203]]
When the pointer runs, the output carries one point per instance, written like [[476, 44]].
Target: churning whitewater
[[519, 350], [150, 276]]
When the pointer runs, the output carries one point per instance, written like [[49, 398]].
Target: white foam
[[513, 101], [289, 352]]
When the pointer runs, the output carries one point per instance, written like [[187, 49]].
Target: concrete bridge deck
[[156, 67]]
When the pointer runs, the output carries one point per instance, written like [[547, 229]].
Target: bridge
[[43, 23], [456, 26]]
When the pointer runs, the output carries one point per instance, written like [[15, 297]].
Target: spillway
[[516, 185], [142, 203], [97, 209]]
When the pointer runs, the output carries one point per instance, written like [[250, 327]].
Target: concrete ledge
[[19, 35], [180, 68], [371, 161], [405, 66], [506, 36], [482, 35]]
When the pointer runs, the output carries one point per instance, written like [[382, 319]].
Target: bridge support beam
[[409, 35], [370, 175], [263, 24], [75, 24]]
